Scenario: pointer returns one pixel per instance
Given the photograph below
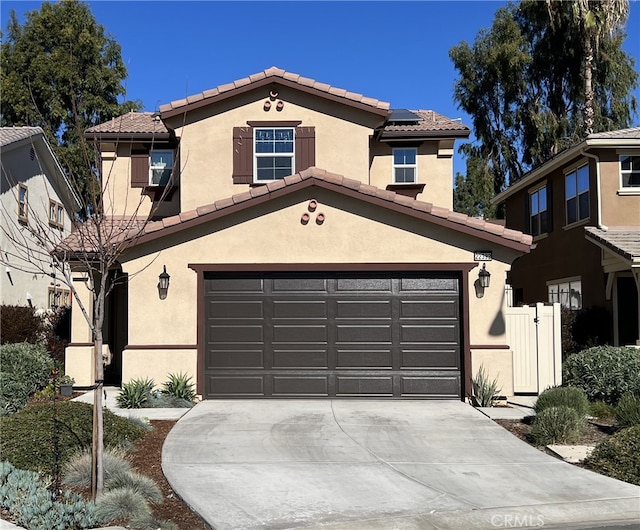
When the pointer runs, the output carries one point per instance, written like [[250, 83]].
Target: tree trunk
[[97, 446], [588, 88]]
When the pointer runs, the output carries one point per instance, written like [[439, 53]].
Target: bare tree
[[102, 231]]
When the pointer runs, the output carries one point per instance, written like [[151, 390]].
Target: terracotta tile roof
[[319, 177], [115, 230], [624, 241], [131, 123], [273, 74], [431, 121], [10, 135]]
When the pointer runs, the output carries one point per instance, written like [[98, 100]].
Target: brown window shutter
[[242, 155], [305, 147], [139, 170]]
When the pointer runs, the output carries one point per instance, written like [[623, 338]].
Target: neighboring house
[[349, 277], [583, 209], [33, 191]]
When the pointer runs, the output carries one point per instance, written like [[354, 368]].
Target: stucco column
[[79, 353]]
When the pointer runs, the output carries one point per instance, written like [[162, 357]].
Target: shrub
[[122, 503], [485, 392], [135, 482], [601, 410], [618, 456], [557, 425], [25, 368], [77, 470], [28, 499], [20, 324], [26, 439], [604, 372], [150, 523], [159, 400], [180, 386], [569, 396], [628, 410], [135, 393]]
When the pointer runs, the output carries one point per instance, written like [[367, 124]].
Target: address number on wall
[[483, 255]]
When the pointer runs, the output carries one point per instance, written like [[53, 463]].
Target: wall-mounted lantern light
[[484, 276], [163, 283]]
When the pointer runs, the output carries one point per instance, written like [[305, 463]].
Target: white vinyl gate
[[534, 335]]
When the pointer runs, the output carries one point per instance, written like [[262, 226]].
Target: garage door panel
[[364, 386], [303, 386], [300, 334], [293, 285], [431, 334], [433, 285], [228, 309], [299, 309], [228, 358], [442, 385], [412, 359], [363, 334], [350, 359], [236, 386], [235, 285], [363, 284], [432, 309], [358, 309], [236, 334], [299, 358]]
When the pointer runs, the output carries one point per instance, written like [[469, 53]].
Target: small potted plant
[[66, 385]]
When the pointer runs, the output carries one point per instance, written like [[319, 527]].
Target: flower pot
[[66, 389]]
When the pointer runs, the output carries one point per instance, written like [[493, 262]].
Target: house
[[33, 192], [301, 244], [582, 208]]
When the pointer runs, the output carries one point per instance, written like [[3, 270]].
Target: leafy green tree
[[60, 71], [473, 192], [523, 83]]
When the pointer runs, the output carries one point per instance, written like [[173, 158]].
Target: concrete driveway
[[282, 464]]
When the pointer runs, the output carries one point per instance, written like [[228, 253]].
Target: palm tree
[[593, 19]]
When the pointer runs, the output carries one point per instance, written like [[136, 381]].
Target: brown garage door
[[332, 335]]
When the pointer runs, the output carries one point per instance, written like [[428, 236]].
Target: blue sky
[[393, 51]]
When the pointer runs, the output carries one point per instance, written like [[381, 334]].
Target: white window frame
[[160, 166], [23, 205], [61, 296], [628, 189], [574, 174], [56, 214], [413, 166], [566, 291], [541, 230], [274, 154]]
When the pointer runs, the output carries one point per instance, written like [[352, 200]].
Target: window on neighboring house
[[539, 221], [160, 167], [405, 165], [567, 292], [59, 297], [23, 202], [630, 171], [577, 194], [56, 214], [274, 153]]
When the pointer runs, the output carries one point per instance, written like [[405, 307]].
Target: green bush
[[628, 410], [21, 324], [134, 393], [122, 503], [569, 396], [601, 410], [27, 498], [135, 482], [27, 436], [557, 425], [618, 456], [180, 386], [485, 391], [24, 369], [77, 470], [159, 400], [604, 372]]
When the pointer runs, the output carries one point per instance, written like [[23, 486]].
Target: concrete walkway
[[276, 464]]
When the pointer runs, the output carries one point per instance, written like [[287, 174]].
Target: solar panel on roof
[[403, 115]]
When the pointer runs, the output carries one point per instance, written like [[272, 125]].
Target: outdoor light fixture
[[484, 276], [163, 283]]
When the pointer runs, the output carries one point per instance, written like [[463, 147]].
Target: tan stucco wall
[[157, 364], [498, 366], [617, 209]]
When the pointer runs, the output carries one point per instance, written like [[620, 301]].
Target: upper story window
[[56, 214], [577, 194], [405, 165], [160, 167], [567, 292], [274, 150], [630, 171], [539, 220], [23, 202]]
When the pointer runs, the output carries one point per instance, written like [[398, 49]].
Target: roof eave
[[221, 96], [398, 136], [127, 136]]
